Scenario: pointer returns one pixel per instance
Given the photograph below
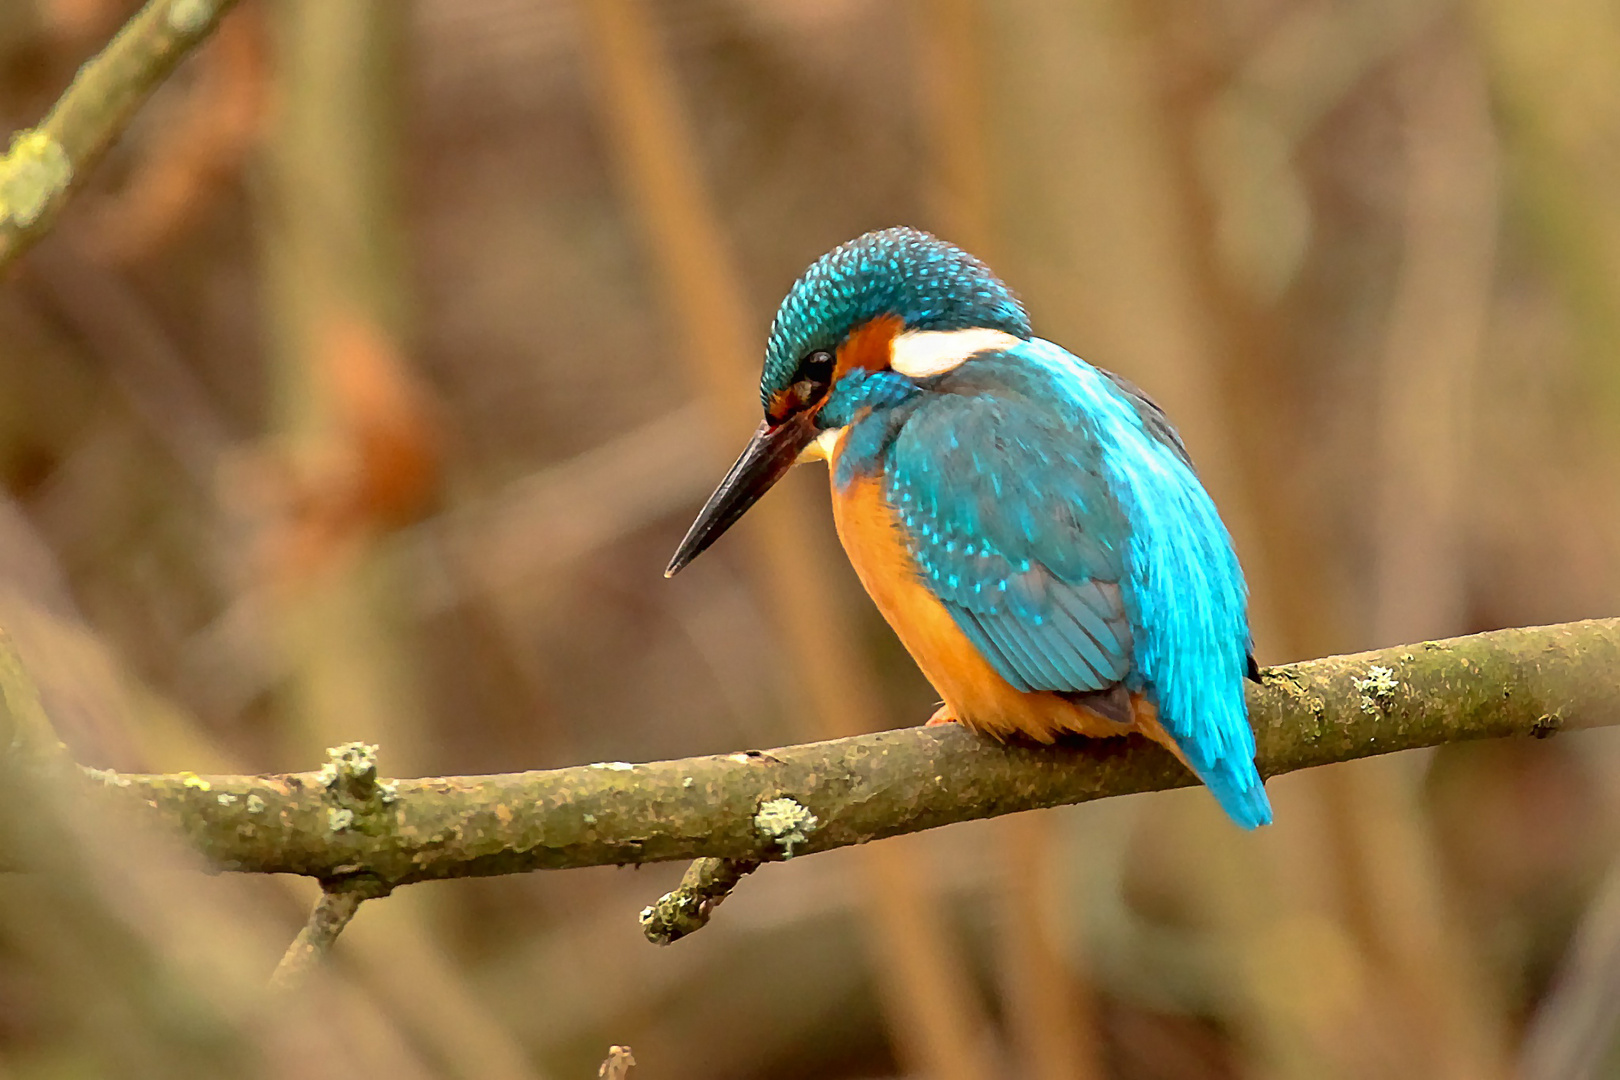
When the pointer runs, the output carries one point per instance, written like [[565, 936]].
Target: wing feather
[[1009, 517]]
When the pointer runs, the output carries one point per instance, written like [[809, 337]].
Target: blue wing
[[1055, 513], [1013, 525]]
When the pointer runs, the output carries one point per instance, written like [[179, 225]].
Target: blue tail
[[1237, 787]]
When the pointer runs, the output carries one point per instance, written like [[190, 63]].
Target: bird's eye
[[817, 367], [811, 382]]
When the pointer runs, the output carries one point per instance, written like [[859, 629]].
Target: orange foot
[[942, 715]]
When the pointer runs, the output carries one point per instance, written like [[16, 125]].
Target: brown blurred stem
[[1573, 1028], [332, 913], [45, 164], [1437, 995], [799, 800], [1047, 1009], [938, 1024], [688, 906]]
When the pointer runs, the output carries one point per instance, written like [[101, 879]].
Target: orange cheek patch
[[867, 346]]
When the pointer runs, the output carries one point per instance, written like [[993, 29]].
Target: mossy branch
[[45, 163], [342, 823]]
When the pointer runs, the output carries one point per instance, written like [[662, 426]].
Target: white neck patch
[[920, 353], [823, 447]]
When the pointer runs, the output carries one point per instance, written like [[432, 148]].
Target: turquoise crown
[[929, 284]]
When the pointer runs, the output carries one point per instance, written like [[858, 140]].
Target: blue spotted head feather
[[924, 281]]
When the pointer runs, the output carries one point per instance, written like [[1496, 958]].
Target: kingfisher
[[1030, 526]]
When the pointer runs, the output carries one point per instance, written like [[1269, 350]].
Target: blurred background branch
[[45, 163]]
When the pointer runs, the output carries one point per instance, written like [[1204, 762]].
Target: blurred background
[[368, 386]]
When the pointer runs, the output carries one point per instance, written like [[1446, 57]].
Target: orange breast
[[972, 689]]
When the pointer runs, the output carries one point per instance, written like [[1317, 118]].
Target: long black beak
[[770, 453]]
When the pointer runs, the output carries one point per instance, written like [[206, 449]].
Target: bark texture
[[343, 822]]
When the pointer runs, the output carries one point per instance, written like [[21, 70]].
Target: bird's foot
[[942, 715]]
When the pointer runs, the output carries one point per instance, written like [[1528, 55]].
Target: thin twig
[[688, 906], [46, 163], [618, 1063], [332, 913]]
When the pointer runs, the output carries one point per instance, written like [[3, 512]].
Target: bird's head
[[895, 300]]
